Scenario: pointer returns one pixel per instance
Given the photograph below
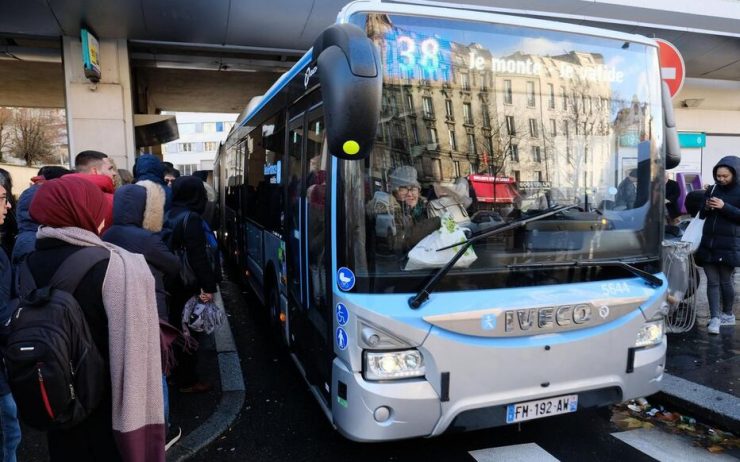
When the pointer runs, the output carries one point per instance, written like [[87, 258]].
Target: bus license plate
[[529, 410]]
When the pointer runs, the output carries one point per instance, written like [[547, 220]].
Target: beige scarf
[[133, 336]]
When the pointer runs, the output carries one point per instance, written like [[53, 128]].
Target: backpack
[[55, 371]]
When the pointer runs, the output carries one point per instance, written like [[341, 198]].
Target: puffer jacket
[[138, 214], [26, 238], [149, 167], [720, 241]]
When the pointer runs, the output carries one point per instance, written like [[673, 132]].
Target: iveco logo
[[307, 76], [549, 317]]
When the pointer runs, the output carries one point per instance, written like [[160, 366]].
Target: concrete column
[[100, 115]]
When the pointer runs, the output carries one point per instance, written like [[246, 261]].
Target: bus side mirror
[[351, 83], [672, 148]]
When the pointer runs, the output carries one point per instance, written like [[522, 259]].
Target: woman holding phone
[[719, 251]]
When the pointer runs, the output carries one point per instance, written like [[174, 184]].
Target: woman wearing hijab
[[118, 302], [185, 224]]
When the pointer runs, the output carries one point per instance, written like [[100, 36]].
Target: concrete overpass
[[213, 56]]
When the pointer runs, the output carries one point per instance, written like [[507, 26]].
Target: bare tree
[[34, 136], [6, 124]]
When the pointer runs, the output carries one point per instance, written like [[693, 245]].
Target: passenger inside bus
[[401, 219]]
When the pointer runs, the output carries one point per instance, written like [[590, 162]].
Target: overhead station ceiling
[[268, 36]]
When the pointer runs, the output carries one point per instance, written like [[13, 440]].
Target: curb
[[232, 396], [716, 407]]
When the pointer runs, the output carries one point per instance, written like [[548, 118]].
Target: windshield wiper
[[651, 279], [423, 295]]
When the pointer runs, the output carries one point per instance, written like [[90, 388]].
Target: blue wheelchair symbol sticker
[[342, 314], [346, 278], [341, 338], [488, 322]]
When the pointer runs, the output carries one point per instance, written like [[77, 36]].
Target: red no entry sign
[[672, 69]]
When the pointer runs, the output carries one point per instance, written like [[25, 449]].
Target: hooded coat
[[138, 214], [26, 238], [149, 167], [720, 241], [185, 227]]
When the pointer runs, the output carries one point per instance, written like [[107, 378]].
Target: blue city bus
[[410, 307]]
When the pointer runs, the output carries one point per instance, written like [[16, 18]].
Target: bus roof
[[477, 13], [463, 12]]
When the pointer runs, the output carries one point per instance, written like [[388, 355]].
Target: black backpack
[[55, 371]]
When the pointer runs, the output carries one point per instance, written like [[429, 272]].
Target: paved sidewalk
[[703, 370], [205, 417]]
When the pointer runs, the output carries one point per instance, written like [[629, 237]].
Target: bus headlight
[[390, 365], [650, 334]]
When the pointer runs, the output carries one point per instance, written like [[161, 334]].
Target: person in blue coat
[[719, 250], [138, 215], [149, 167]]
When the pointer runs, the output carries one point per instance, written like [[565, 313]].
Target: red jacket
[[105, 183]]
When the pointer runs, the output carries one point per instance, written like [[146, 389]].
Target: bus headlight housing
[[391, 365], [650, 334]]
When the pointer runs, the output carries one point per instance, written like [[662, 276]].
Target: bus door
[[308, 254]]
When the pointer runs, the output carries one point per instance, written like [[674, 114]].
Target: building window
[[219, 126], [410, 102], [530, 94], [514, 153], [186, 147], [489, 144], [484, 81], [415, 133], [456, 166], [566, 129], [432, 134], [507, 92], [471, 143], [551, 96], [565, 98], [465, 81], [453, 140], [209, 127], [553, 128], [467, 113], [448, 110], [536, 154], [510, 127], [517, 176], [539, 175], [486, 117], [186, 129], [187, 169], [533, 131], [428, 107], [210, 146]]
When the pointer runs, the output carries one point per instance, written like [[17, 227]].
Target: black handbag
[[187, 275]]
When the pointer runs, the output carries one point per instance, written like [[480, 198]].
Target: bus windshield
[[485, 124]]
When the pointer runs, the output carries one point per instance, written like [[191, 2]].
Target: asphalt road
[[282, 422]]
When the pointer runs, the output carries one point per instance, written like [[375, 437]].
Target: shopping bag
[[692, 234], [425, 255]]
